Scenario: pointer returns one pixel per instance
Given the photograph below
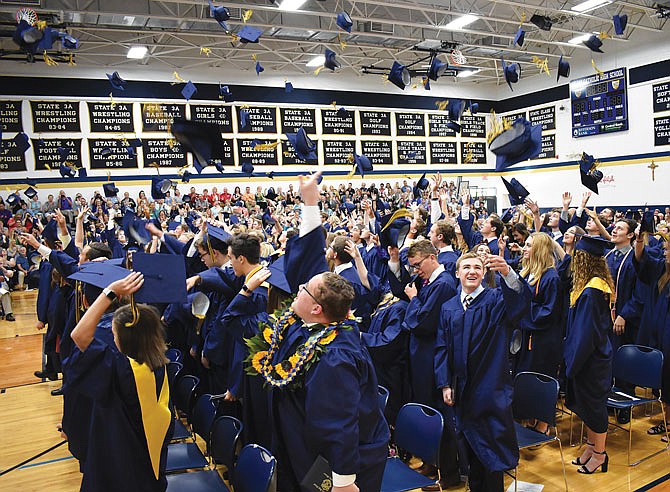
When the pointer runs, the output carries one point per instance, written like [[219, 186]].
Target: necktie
[[425, 282], [467, 301]]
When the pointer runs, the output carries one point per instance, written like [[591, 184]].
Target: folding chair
[[186, 455], [535, 397], [418, 430], [256, 470], [225, 435], [640, 366], [174, 355], [383, 397], [182, 390]]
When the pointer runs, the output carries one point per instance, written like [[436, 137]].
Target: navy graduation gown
[[56, 317], [473, 238], [588, 358], [629, 296], [44, 291], [448, 259], [364, 299], [471, 357]]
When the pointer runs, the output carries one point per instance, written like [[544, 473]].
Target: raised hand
[[567, 200], [127, 285]]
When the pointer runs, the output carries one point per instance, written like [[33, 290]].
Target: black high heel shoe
[[603, 466], [577, 461]]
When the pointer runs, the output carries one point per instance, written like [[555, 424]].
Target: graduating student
[[489, 232], [443, 236], [472, 368], [588, 350]]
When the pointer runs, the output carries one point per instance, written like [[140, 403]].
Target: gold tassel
[[604, 35], [266, 146], [177, 79], [41, 25], [247, 15], [334, 104], [442, 105], [543, 65], [135, 311], [49, 61], [401, 212], [71, 62], [235, 37], [318, 70], [598, 71], [112, 102], [343, 44], [205, 51]]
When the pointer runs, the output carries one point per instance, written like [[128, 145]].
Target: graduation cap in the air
[[164, 278], [647, 222], [399, 75], [22, 142], [304, 147], [225, 94], [517, 193], [110, 190], [27, 36], [420, 186], [249, 34], [588, 173], [563, 69], [81, 172], [48, 39], [96, 275], [455, 109], [278, 277], [593, 43], [507, 216], [342, 112], [30, 192], [189, 90], [248, 168], [200, 138], [394, 228], [159, 187], [288, 87], [512, 72], [50, 232], [522, 141], [542, 22], [68, 41], [520, 36], [362, 163], [620, 22], [344, 21], [116, 81], [594, 245], [472, 107], [66, 171], [220, 14], [331, 60], [63, 152], [244, 117], [13, 199], [437, 68]]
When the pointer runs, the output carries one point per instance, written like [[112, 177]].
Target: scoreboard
[[599, 103]]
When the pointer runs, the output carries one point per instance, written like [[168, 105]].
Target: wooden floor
[[29, 415]]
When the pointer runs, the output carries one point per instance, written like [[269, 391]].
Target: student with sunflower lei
[[323, 387]]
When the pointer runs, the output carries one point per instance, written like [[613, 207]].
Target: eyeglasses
[[416, 266], [304, 287]]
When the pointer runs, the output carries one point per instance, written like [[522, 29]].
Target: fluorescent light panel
[[291, 4], [579, 39], [137, 52], [461, 22], [317, 61], [589, 5], [467, 72]]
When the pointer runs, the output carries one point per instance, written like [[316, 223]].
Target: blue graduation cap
[[517, 193], [472, 107], [594, 43], [164, 278], [521, 142], [342, 112], [249, 34], [362, 163], [219, 166], [67, 41], [278, 277], [200, 138], [225, 94], [110, 190], [437, 68], [453, 125], [331, 60], [455, 109], [135, 229], [218, 233], [13, 198], [288, 87], [22, 142], [48, 38], [259, 68], [159, 187], [244, 118], [30, 192], [185, 177], [50, 232], [116, 81], [421, 185], [81, 172], [620, 22], [399, 75], [512, 72], [541, 22], [647, 222], [66, 171], [189, 90], [27, 36], [248, 168], [563, 69], [344, 21], [590, 176], [270, 175], [220, 14], [593, 245], [394, 228], [304, 147], [519, 37], [97, 275], [426, 83], [63, 152], [507, 216]]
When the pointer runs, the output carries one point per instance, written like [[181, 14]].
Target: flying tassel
[[49, 61], [109, 175], [177, 79], [334, 104], [442, 105], [266, 146], [343, 43], [598, 71], [247, 15], [71, 61], [235, 37], [543, 65], [41, 25], [318, 70], [112, 102], [470, 153], [604, 35], [205, 51], [171, 142]]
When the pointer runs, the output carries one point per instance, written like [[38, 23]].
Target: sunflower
[[283, 368], [267, 335], [257, 361], [294, 359]]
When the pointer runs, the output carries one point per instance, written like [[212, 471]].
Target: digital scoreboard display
[[599, 103]]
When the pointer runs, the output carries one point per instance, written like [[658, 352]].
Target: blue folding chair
[[186, 455], [256, 470], [174, 355], [640, 366], [535, 397], [383, 397], [225, 436], [418, 430], [182, 391]]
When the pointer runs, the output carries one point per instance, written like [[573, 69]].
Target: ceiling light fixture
[[460, 22], [137, 52], [589, 5], [467, 72], [317, 61], [579, 39], [291, 4]]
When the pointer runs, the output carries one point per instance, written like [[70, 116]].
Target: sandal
[[657, 429]]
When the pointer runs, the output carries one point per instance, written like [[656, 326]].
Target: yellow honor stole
[[594, 283], [156, 415]]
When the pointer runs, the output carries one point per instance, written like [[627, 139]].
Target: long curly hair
[[585, 266]]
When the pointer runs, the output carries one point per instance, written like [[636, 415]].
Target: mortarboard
[[399, 75], [30, 192], [270, 175], [288, 87], [271, 194], [259, 68], [135, 229], [248, 168], [437, 68], [202, 139], [647, 222], [217, 238], [453, 125], [13, 198], [342, 112], [594, 245], [620, 22], [344, 21], [588, 173], [159, 187], [48, 38], [519, 37], [63, 152], [278, 277], [173, 225], [331, 60], [507, 216], [66, 171], [110, 190], [27, 36], [521, 142], [249, 34], [455, 109], [244, 118], [362, 163], [542, 22], [421, 185], [594, 43], [225, 94], [189, 90], [512, 72], [472, 107], [99, 274], [219, 166], [81, 172], [394, 228], [304, 147], [563, 69], [117, 82], [220, 14], [68, 41], [517, 193], [50, 232], [22, 142], [164, 278]]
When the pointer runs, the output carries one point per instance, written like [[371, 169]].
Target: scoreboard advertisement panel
[[599, 103]]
